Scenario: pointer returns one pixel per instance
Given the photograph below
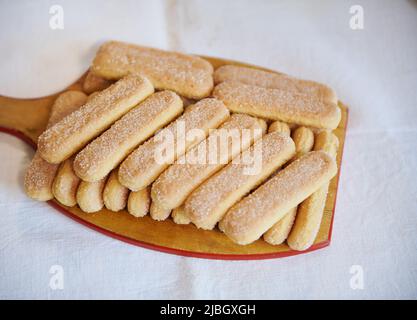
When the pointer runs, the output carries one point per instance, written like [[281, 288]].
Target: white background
[[373, 70]]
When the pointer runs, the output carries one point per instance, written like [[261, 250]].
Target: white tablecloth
[[374, 71]]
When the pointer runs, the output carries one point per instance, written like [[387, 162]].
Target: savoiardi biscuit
[[251, 217], [277, 104], [188, 75], [106, 152], [40, 174], [73, 132], [174, 185]]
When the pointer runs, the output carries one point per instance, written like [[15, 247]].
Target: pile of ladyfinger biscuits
[[98, 149]]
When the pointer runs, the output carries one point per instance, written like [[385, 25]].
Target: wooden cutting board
[[27, 118]]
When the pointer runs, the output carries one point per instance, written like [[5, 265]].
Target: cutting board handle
[[27, 116]]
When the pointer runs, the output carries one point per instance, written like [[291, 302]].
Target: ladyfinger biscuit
[[159, 213], [189, 76], [273, 80], [179, 216], [251, 217], [278, 126], [39, 177], [73, 132], [143, 165], [90, 195], [40, 174], [310, 212], [66, 103], [210, 201], [277, 104], [93, 83], [281, 229], [66, 184], [304, 140], [114, 194], [139, 202], [103, 154], [174, 185]]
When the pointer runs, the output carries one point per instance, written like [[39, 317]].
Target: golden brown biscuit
[[139, 202], [40, 174], [251, 217], [105, 153], [179, 216], [90, 195], [143, 166], [66, 103], [303, 139], [159, 213], [39, 177], [279, 127], [114, 194], [276, 104], [93, 83], [210, 201], [273, 80], [310, 212], [279, 232], [66, 184], [174, 185], [69, 135], [189, 76]]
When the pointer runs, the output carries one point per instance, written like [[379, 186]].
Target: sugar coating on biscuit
[[40, 174], [276, 149], [39, 177], [231, 177], [293, 178], [91, 158], [106, 102], [188, 75], [277, 104], [175, 183], [273, 80], [66, 103], [255, 214], [310, 212], [206, 113]]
